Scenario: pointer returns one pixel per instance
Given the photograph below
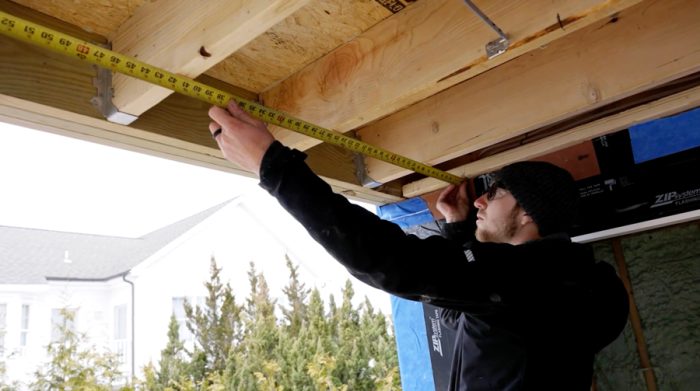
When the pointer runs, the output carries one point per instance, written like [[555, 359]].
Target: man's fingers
[[215, 129], [447, 193], [463, 190], [239, 113], [219, 115]]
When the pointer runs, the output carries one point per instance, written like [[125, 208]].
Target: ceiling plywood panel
[[96, 16], [308, 34]]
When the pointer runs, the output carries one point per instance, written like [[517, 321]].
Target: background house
[[125, 289]]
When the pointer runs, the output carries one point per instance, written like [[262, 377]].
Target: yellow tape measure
[[73, 47]]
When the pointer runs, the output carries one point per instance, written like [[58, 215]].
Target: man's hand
[[243, 139], [453, 203]]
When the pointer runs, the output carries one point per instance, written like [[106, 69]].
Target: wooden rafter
[[188, 37], [670, 105], [43, 117], [46, 91], [566, 61], [635, 51], [416, 53]]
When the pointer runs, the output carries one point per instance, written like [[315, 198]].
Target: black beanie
[[546, 192]]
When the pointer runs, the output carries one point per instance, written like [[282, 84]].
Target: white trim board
[[639, 227]]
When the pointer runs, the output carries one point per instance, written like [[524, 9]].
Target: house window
[[58, 321], [3, 328], [120, 342], [24, 326], [120, 322]]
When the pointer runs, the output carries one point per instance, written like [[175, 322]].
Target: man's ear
[[524, 218]]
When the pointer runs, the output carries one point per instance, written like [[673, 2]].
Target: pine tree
[[296, 294], [73, 366], [216, 326], [298, 343], [172, 368], [256, 356], [307, 348], [351, 363], [383, 361]]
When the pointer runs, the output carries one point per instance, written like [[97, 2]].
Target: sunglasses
[[493, 190]]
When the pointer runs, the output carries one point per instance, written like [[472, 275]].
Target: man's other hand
[[453, 203]]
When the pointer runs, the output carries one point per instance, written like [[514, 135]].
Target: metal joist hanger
[[498, 46]]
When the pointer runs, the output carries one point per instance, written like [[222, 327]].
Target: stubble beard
[[503, 233]]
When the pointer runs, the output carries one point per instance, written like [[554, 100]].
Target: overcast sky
[[60, 183]]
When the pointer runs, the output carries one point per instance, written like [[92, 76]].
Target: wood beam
[[634, 51], [664, 107], [47, 118], [47, 91], [188, 37], [416, 53]]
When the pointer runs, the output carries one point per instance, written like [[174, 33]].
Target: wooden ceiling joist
[[635, 51], [414, 82], [188, 37], [43, 117], [42, 90], [670, 105], [416, 53]]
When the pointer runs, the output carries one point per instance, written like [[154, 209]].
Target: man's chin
[[488, 237], [480, 235]]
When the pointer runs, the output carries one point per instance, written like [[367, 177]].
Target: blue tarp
[[665, 136], [411, 335], [406, 213]]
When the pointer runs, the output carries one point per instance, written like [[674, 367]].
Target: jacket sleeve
[[461, 231], [434, 270]]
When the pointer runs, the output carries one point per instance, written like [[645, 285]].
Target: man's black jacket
[[528, 317]]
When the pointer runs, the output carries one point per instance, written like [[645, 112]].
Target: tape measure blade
[[65, 44]]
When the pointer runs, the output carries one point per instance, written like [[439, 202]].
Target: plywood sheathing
[[308, 34]]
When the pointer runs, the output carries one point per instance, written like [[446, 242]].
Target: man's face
[[498, 216]]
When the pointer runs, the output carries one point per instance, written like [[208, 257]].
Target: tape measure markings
[[67, 45]]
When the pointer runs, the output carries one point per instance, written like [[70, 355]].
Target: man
[[530, 308]]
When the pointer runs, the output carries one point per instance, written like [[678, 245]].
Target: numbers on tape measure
[[8, 23], [63, 43]]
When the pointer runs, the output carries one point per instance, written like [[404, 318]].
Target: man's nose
[[480, 203]]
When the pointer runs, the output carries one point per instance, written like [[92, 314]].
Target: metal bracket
[[495, 47], [361, 172], [103, 100]]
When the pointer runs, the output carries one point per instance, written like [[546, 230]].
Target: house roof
[[33, 256]]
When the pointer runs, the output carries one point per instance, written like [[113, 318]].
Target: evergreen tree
[[73, 366], [350, 363], [256, 356], [306, 348], [298, 342], [215, 326], [383, 361], [296, 294], [172, 368]]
